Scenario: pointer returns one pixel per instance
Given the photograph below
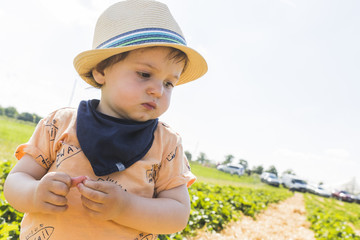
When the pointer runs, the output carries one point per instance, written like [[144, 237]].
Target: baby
[[110, 169]]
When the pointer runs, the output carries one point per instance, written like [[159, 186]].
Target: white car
[[357, 198], [294, 183], [318, 190], [322, 192], [270, 178], [265, 175], [232, 168]]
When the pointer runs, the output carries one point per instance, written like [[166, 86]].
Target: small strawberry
[[76, 180]]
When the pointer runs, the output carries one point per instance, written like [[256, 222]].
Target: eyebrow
[[153, 67], [148, 65]]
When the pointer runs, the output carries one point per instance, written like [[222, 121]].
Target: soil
[[283, 221]]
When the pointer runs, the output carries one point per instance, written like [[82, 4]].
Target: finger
[[92, 213], [90, 193], [51, 208], [59, 188], [76, 180], [96, 185], [56, 200], [62, 177], [94, 206]]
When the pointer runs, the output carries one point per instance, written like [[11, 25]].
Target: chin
[[142, 118], [145, 116]]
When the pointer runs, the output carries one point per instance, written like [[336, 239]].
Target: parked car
[[357, 198], [343, 196], [318, 190], [270, 178], [294, 183], [232, 168], [264, 175]]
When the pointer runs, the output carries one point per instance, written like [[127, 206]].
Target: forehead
[[152, 51], [160, 55]]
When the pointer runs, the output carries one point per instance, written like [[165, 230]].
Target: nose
[[155, 89]]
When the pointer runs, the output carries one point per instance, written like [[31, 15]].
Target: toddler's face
[[139, 87]]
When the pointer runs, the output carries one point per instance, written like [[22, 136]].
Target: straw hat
[[134, 24]]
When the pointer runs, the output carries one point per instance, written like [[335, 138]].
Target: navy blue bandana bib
[[112, 144]]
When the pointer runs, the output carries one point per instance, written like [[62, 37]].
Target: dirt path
[[283, 221]]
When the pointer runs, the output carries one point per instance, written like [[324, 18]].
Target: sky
[[282, 87]]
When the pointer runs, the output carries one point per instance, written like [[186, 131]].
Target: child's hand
[[51, 191], [104, 200]]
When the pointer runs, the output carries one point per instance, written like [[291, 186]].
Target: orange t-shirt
[[54, 145]]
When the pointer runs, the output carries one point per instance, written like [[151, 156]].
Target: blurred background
[[282, 87]]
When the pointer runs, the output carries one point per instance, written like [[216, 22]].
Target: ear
[[99, 77]]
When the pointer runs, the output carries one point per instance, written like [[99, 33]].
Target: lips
[[149, 105]]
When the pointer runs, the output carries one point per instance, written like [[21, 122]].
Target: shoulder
[[62, 115], [167, 133]]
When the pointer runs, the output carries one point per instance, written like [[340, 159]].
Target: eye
[[168, 84], [144, 74]]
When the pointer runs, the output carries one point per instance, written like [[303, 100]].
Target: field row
[[214, 206], [332, 219]]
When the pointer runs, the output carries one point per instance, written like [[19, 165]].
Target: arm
[[168, 213], [29, 188]]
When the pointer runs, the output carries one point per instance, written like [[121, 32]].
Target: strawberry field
[[216, 199], [9, 217], [214, 206], [332, 219]]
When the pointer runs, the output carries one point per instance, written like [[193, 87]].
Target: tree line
[[12, 112], [202, 159]]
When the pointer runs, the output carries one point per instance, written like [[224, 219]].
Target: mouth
[[149, 105]]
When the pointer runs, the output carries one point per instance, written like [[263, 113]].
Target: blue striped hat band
[[141, 36]]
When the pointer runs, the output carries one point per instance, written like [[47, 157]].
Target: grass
[[13, 133], [214, 176]]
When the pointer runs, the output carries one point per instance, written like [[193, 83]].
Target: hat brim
[[86, 61]]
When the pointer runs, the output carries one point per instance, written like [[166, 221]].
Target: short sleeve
[[41, 144], [174, 169]]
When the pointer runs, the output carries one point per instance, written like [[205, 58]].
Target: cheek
[[166, 100], [133, 91], [126, 89]]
